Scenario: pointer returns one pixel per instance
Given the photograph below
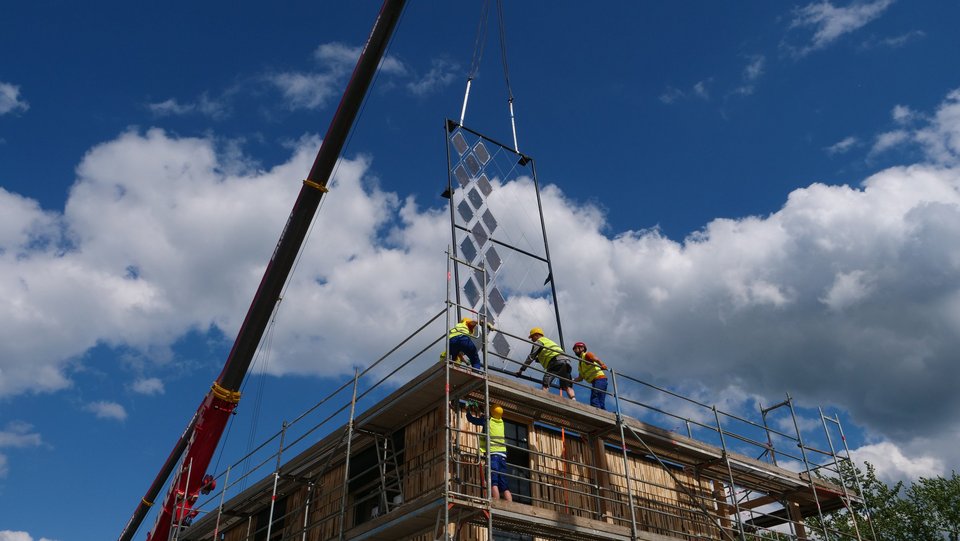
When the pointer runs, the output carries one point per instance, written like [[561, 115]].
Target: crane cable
[[478, 57]]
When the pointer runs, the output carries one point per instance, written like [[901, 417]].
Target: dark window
[[518, 461], [263, 521]]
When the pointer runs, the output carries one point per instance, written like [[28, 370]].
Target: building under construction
[[390, 454], [377, 459]]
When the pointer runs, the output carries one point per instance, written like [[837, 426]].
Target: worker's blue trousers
[[463, 344], [598, 395]]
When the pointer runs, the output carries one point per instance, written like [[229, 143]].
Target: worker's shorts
[[558, 369], [498, 472]]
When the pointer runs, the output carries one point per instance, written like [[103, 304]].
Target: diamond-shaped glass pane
[[493, 260], [489, 221], [472, 164], [465, 211], [481, 152], [497, 301], [472, 292], [479, 235], [462, 176], [484, 185], [500, 345], [459, 142], [468, 249], [478, 274], [475, 198]]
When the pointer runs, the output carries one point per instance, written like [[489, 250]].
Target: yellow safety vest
[[495, 426], [588, 370], [460, 329], [548, 352]]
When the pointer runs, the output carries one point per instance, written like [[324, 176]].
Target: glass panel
[[475, 198], [497, 301], [468, 250], [479, 235], [465, 211], [461, 175], [478, 274], [493, 260], [500, 345], [481, 152], [472, 292], [489, 221], [484, 184], [472, 164], [459, 142]]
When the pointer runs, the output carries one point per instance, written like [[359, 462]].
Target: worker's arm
[[534, 351], [479, 421]]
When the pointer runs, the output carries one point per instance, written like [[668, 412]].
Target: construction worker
[[461, 342], [591, 370], [498, 450], [549, 354]]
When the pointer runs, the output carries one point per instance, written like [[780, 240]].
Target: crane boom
[[199, 440]]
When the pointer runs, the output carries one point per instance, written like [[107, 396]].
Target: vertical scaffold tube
[[626, 461]]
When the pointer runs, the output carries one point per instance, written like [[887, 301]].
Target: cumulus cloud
[[441, 74], [843, 146], [107, 410], [10, 535], [203, 106], [16, 435], [315, 88], [892, 465], [937, 135], [10, 100], [829, 22], [840, 296], [148, 386]]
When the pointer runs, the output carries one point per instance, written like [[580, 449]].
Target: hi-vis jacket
[[460, 329], [548, 351], [591, 367]]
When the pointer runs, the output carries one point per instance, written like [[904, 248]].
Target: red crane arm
[[200, 439]]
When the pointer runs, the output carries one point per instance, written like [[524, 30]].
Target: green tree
[[938, 501]]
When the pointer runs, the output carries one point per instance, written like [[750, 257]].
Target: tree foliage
[[927, 510]]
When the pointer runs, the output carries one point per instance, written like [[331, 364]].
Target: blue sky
[[764, 197]]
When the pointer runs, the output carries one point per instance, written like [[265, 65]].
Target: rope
[[506, 74], [477, 56]]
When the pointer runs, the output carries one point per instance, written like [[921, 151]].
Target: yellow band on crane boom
[[148, 504], [225, 394], [316, 186]]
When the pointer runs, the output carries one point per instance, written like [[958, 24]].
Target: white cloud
[[148, 386], [670, 95], [754, 69], [893, 465], [440, 75], [700, 90], [203, 106], [843, 146], [315, 89], [107, 410], [902, 114], [859, 286], [16, 435], [10, 535], [830, 22], [887, 140], [10, 100]]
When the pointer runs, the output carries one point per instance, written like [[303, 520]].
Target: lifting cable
[[478, 56]]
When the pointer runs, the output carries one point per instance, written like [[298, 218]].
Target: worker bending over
[[591, 370], [461, 342], [549, 355], [498, 450]]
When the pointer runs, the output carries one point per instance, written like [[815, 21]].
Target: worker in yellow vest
[[550, 356], [498, 450], [591, 370], [461, 342]]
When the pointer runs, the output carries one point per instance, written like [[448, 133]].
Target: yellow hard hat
[[496, 412], [468, 322], [536, 330]]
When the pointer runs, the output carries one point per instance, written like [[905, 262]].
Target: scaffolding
[[381, 461]]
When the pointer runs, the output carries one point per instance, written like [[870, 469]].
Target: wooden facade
[[573, 477]]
